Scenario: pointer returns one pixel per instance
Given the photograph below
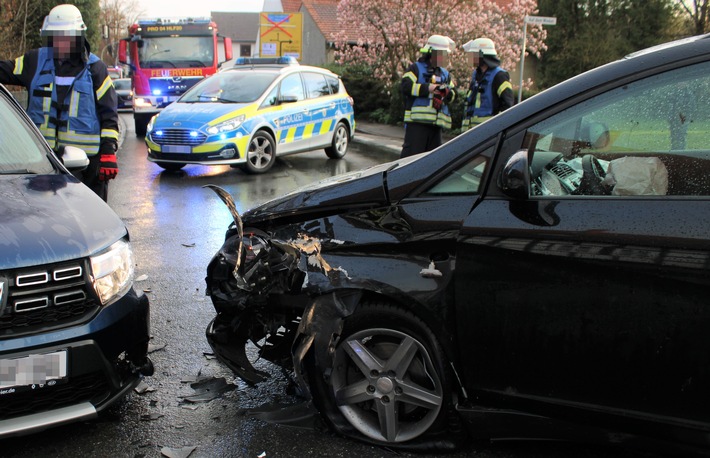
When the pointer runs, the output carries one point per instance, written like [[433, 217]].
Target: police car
[[247, 115]]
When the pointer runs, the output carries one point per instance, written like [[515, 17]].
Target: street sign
[[280, 34], [540, 20]]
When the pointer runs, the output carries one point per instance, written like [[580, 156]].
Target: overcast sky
[[197, 8]]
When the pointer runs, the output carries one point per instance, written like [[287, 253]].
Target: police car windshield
[[231, 86]]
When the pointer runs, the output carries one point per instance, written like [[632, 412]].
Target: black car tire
[[412, 391], [140, 123], [261, 153], [339, 145], [171, 166]]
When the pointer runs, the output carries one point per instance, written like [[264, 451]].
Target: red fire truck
[[166, 58]]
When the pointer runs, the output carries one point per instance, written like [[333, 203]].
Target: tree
[[590, 33], [116, 17], [390, 33], [697, 13], [22, 20]]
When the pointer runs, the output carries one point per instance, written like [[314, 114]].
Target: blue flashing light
[[223, 136], [283, 60], [157, 92], [193, 133], [158, 133]]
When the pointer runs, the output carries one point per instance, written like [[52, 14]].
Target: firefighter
[[71, 97], [490, 91], [428, 90]]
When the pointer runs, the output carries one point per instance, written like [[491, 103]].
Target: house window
[[245, 50]]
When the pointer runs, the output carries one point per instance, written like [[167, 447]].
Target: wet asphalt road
[[176, 225]]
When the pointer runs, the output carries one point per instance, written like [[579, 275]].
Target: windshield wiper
[[212, 98]]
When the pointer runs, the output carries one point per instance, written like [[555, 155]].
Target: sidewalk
[[383, 137]]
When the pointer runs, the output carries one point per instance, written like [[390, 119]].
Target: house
[[242, 28]]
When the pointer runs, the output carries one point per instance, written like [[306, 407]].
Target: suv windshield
[[21, 151], [230, 87]]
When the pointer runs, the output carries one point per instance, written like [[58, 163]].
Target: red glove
[[108, 167], [437, 101]]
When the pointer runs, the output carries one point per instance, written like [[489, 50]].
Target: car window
[[291, 86], [271, 99], [230, 87], [122, 84], [20, 150], [649, 137], [316, 85], [466, 179], [334, 84]]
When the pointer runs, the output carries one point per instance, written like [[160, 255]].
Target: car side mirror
[[75, 159], [288, 99], [515, 178]]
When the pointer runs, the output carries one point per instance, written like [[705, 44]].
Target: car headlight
[[141, 102], [112, 272], [226, 126], [149, 128]]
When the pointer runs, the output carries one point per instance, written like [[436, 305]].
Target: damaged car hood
[[363, 188]]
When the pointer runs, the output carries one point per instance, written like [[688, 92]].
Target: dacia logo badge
[[177, 124]]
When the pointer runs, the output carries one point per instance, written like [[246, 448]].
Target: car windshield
[[230, 87], [176, 52], [21, 151], [122, 84]]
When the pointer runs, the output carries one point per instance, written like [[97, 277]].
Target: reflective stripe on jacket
[[77, 123], [479, 99], [422, 110]]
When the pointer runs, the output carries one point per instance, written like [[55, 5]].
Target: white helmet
[[483, 46], [437, 43], [63, 20]]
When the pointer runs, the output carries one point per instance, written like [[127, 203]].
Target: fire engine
[[167, 57]]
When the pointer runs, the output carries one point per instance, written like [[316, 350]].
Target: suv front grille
[[45, 297], [91, 387], [178, 137]]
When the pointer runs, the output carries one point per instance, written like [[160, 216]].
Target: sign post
[[541, 20]]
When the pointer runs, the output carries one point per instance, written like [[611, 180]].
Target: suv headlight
[[226, 126], [112, 272]]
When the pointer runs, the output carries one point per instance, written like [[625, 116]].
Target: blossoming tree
[[388, 34]]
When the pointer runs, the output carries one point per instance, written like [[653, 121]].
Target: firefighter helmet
[[437, 43], [63, 20], [484, 46]]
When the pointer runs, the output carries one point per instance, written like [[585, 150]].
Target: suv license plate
[[34, 371]]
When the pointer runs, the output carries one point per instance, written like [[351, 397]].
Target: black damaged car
[[545, 274]]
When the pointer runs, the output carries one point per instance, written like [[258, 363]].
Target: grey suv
[[73, 332]]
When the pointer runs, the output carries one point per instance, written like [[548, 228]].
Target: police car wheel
[[171, 166], [339, 145], [261, 154]]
